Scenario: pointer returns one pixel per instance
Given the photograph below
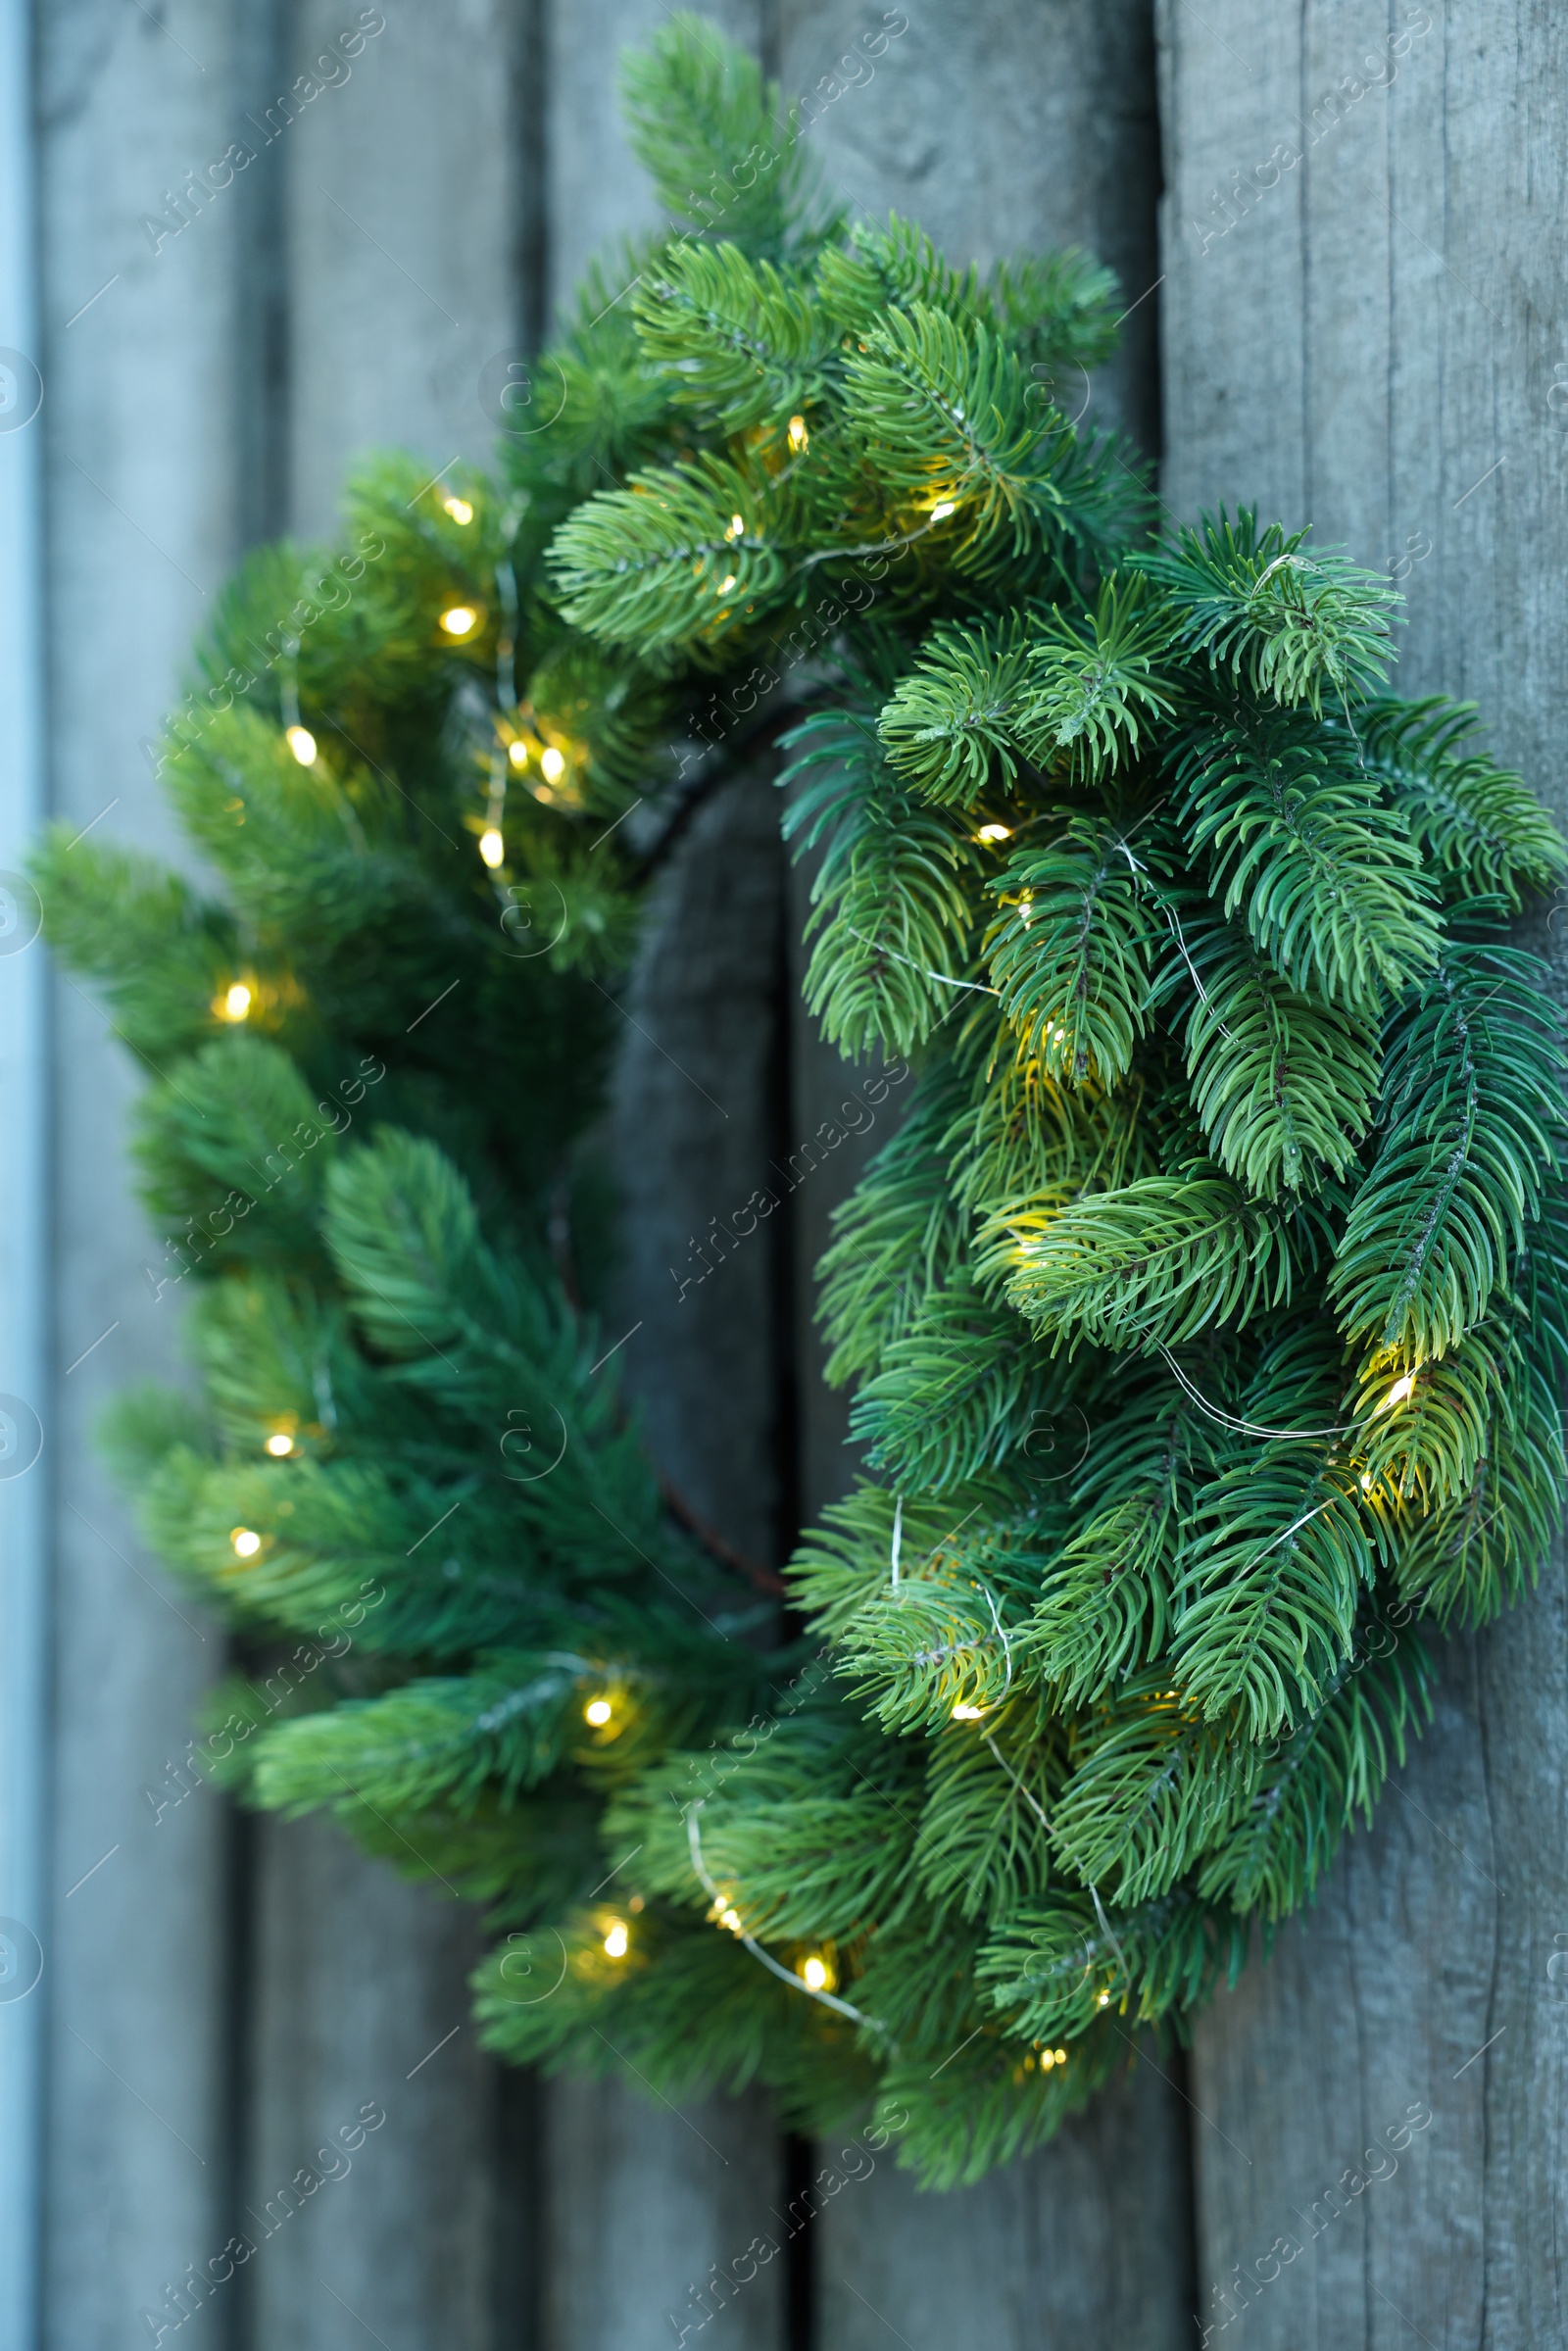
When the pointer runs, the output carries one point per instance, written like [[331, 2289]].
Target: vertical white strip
[[23, 1221]]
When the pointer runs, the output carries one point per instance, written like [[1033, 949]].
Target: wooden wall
[[1373, 343], [1373, 334]]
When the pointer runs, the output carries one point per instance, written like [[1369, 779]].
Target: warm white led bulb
[[966, 1714], [459, 509], [458, 620], [280, 1445], [235, 1003], [618, 1939], [552, 764], [799, 438], [247, 1543], [491, 846], [814, 1973], [597, 1711], [943, 509], [302, 743], [995, 832], [517, 753]]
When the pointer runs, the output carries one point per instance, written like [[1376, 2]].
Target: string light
[[799, 438], [280, 1445], [724, 1914], [247, 1543], [552, 764], [597, 1711], [1401, 1389], [517, 753], [995, 832], [618, 1939], [966, 1714], [737, 527], [491, 845], [725, 586], [302, 743], [816, 1973], [458, 620], [459, 509], [235, 1003], [943, 509]]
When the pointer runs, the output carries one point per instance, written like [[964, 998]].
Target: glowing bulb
[[491, 846], [815, 1974], [1104, 2000], [552, 764], [967, 1714], [459, 509], [247, 1543], [1401, 1389], [799, 438], [726, 585], [1047, 2058], [235, 1003], [302, 743], [618, 1939], [280, 1445], [458, 620], [1061, 2056], [1366, 1481], [737, 527], [943, 509], [995, 832], [597, 1711], [732, 1920], [517, 754]]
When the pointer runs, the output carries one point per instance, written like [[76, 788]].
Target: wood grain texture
[[1080, 2244], [643, 2198], [141, 411], [1365, 333], [641, 2204], [361, 2008], [999, 127], [402, 224]]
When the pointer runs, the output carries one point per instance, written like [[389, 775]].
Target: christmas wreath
[[1204, 1317]]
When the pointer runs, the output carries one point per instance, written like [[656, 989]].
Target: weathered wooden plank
[[25, 1216], [362, 2011], [1365, 334], [402, 204], [1078, 2245], [999, 129], [642, 2201], [1005, 131], [140, 411], [397, 203]]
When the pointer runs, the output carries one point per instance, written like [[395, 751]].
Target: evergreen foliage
[[1206, 1316]]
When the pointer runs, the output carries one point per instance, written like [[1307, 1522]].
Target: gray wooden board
[[1081, 2244], [999, 131], [396, 187], [1368, 337], [140, 412]]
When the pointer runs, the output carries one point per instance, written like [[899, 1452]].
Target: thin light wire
[[785, 1975], [1244, 1428]]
